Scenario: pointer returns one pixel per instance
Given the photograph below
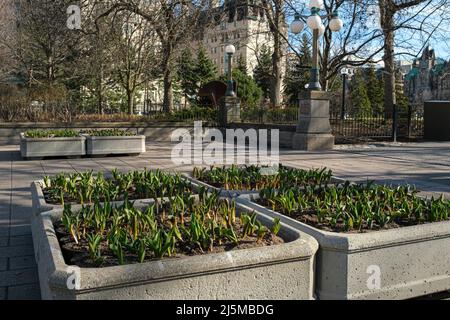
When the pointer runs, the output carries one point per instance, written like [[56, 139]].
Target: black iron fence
[[400, 123]]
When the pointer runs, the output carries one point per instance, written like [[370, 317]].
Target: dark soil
[[78, 254], [253, 185]]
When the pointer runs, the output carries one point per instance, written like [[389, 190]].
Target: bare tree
[[274, 11], [45, 42], [135, 52], [176, 23], [405, 15], [8, 40]]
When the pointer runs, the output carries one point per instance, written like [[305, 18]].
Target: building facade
[[428, 79], [242, 23]]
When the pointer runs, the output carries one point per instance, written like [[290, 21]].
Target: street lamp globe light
[[314, 21], [230, 50], [297, 25], [336, 23]]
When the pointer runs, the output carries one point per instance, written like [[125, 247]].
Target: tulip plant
[[66, 133], [253, 177], [183, 225], [109, 133], [85, 187], [346, 207]]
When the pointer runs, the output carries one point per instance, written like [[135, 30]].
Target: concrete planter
[[410, 261], [98, 146], [275, 272], [236, 193], [51, 147]]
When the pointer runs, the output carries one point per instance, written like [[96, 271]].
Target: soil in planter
[[78, 254], [102, 235], [311, 218]]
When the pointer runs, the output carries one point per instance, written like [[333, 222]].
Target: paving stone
[[3, 241], [20, 230], [24, 262], [21, 241], [24, 292], [4, 231], [3, 293], [18, 277], [16, 251], [3, 264]]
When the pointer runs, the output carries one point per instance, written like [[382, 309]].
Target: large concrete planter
[[100, 146], [275, 272], [408, 262], [51, 147]]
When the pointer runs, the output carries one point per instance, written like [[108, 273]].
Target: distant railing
[[270, 115], [67, 113]]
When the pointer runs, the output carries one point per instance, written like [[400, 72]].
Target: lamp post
[[344, 72], [314, 22], [230, 50]]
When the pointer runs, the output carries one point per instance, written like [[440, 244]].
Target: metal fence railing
[[402, 123]]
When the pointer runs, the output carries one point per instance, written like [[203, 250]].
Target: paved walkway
[[427, 165]]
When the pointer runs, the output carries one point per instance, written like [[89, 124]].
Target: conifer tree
[[360, 100], [186, 75], [375, 90], [205, 70], [297, 74], [263, 71]]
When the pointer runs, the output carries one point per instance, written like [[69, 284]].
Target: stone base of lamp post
[[229, 110], [313, 128]]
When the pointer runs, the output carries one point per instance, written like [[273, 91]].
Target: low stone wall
[[162, 131], [10, 132]]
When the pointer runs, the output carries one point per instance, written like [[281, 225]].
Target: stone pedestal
[[313, 128], [229, 110]]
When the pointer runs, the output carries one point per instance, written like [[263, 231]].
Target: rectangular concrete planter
[[52, 147], [274, 272], [408, 262], [98, 146], [236, 193]]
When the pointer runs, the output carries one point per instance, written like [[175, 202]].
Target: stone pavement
[[427, 165]]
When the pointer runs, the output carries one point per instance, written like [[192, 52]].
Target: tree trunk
[[168, 78], [130, 102], [387, 12], [168, 91], [276, 81], [275, 87]]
